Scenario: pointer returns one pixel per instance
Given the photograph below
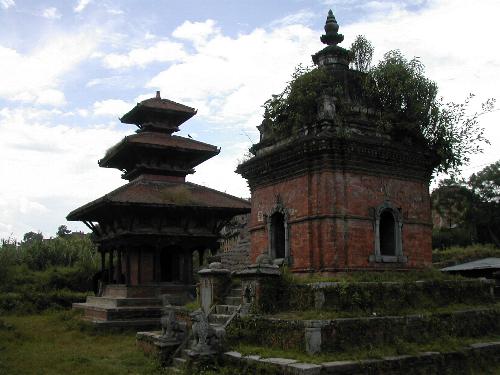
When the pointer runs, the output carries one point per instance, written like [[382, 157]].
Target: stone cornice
[[353, 154]]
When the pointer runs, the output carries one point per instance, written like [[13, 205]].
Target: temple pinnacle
[[331, 36]]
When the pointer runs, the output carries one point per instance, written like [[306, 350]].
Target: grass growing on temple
[[58, 343]]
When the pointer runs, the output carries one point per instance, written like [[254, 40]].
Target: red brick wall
[[331, 225]]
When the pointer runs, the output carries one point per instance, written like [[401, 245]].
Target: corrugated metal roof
[[486, 263]]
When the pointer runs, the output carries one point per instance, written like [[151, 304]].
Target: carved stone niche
[[278, 231], [388, 238], [252, 278]]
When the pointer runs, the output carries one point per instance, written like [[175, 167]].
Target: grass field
[[57, 343]]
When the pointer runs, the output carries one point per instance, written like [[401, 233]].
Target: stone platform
[[133, 306], [456, 362]]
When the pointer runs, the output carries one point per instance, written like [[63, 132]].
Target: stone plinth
[[214, 281], [252, 278], [154, 344]]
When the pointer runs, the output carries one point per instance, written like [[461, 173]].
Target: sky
[[70, 69]]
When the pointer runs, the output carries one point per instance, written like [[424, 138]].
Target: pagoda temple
[[148, 230], [333, 191]]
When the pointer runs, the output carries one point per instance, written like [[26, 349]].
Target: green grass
[[373, 276], [445, 344], [58, 343], [465, 254], [333, 314]]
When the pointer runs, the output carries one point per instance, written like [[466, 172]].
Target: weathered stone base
[[153, 344], [133, 306], [461, 362]]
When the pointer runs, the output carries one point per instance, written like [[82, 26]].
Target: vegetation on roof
[[405, 100]]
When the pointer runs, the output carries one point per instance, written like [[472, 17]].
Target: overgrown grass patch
[[457, 254], [314, 314], [57, 343], [426, 274], [442, 345]]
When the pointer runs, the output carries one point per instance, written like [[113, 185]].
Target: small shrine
[[334, 192], [148, 230]]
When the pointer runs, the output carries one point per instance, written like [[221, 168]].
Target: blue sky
[[69, 69]]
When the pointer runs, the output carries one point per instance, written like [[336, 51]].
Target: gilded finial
[[331, 36]]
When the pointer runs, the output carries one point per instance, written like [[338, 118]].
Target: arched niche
[[388, 239], [278, 231]]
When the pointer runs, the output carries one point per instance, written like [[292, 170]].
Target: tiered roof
[[156, 163]]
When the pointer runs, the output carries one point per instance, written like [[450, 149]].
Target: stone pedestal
[[252, 278], [154, 344], [214, 282]]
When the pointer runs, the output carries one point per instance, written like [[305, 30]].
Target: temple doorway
[[278, 235], [387, 233]]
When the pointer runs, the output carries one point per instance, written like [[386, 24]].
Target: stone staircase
[[219, 317], [125, 306]]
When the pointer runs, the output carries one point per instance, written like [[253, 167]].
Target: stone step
[[136, 324], [218, 318], [236, 301], [178, 362], [93, 312], [122, 302], [225, 309], [486, 353]]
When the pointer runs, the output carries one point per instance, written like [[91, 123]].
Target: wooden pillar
[[201, 256], [127, 265], [189, 267], [103, 266], [119, 278], [157, 265], [182, 268], [111, 266], [139, 265]]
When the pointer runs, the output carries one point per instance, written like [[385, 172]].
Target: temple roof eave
[[161, 195], [199, 151], [160, 107]]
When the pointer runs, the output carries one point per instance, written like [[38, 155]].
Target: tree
[[362, 54], [409, 106], [31, 237], [470, 208], [452, 200], [485, 186], [63, 231]]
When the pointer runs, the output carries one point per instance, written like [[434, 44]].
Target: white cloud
[[6, 4], [228, 79], [35, 76], [81, 5], [112, 107], [162, 51], [302, 17], [51, 13], [50, 169], [196, 32]]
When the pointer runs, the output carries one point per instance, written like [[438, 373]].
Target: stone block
[[313, 340], [303, 369]]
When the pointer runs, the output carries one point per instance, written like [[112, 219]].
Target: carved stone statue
[[201, 332], [171, 329], [326, 108]]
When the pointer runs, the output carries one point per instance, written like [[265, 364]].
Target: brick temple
[[148, 230], [337, 193]]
